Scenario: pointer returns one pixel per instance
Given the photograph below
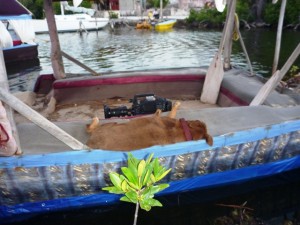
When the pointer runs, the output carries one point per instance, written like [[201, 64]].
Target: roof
[[12, 7]]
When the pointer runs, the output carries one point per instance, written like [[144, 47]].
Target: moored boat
[[71, 23], [250, 142], [165, 25], [17, 35], [81, 20]]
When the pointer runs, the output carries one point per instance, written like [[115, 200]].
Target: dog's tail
[[209, 140], [91, 127]]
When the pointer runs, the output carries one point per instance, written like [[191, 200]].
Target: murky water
[[131, 49]]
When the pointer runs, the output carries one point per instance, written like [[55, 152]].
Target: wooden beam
[[41, 121], [79, 63], [56, 57], [278, 37], [275, 79], [215, 72]]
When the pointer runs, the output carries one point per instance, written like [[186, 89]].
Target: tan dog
[[145, 132]]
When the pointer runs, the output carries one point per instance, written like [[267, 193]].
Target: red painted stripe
[[233, 97], [60, 84]]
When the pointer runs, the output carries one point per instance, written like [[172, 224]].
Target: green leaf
[[130, 175], [132, 195], [132, 162], [149, 159], [115, 179], [146, 178], [126, 199], [145, 205], [132, 185], [162, 186], [141, 168], [149, 192], [113, 190], [124, 186], [163, 175], [154, 202]]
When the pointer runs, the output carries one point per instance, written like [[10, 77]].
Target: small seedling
[[138, 182]]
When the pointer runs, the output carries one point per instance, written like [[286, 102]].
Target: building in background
[[137, 7]]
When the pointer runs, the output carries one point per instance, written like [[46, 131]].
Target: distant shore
[[182, 23]]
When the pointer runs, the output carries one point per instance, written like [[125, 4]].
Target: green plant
[[138, 182], [293, 72], [113, 15], [156, 3]]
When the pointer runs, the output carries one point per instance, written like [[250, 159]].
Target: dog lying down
[[144, 132]]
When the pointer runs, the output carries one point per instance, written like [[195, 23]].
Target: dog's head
[[199, 131]]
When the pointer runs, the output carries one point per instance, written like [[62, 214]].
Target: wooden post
[[215, 72], [39, 120], [275, 79], [278, 37], [79, 63], [4, 85], [56, 57], [228, 39]]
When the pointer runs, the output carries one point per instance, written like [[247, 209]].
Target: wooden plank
[[215, 73], [275, 79], [79, 63], [278, 37], [9, 111], [41, 121], [56, 57]]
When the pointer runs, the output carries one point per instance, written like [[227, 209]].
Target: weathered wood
[[9, 111], [245, 51], [56, 57], [79, 63], [228, 38], [275, 79], [215, 73], [39, 120], [278, 37]]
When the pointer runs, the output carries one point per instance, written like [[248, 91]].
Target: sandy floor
[[84, 111]]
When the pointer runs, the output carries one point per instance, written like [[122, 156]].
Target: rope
[[3, 141], [235, 35]]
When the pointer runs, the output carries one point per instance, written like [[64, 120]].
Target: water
[[131, 49]]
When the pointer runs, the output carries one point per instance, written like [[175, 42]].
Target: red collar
[[186, 130]]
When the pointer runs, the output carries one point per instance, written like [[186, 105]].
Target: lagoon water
[[129, 49]]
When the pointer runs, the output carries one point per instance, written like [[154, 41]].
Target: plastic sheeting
[[25, 30], [43, 183], [8, 213], [5, 38]]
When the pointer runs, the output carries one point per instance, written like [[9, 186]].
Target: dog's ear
[[209, 140], [201, 130]]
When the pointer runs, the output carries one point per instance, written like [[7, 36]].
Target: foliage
[[137, 183], [207, 14], [36, 7], [113, 15], [294, 71], [271, 13], [156, 3], [215, 17], [242, 9]]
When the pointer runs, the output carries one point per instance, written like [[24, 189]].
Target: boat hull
[[165, 25], [71, 23], [20, 53], [250, 143]]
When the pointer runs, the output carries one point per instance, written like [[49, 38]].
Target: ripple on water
[[131, 49]]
